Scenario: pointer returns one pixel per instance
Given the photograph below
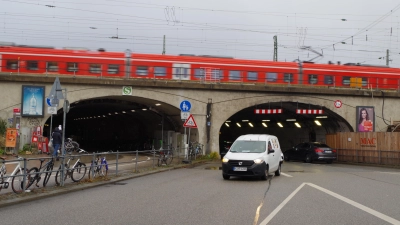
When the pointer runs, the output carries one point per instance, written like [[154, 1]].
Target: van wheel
[[226, 177], [265, 176], [278, 171]]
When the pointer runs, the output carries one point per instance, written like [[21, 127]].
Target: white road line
[[351, 202], [358, 205], [389, 173], [286, 175], [270, 216]]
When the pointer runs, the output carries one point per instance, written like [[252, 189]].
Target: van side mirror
[[271, 151]]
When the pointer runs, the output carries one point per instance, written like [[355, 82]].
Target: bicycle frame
[[6, 183]]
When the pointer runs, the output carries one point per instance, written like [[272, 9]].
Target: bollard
[[116, 165], [137, 156]]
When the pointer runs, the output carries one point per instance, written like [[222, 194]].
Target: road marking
[[389, 173], [351, 202], [286, 175]]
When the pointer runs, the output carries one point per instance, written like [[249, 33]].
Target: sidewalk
[[40, 193]]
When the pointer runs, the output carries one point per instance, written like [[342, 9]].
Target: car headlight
[[225, 160], [258, 161]]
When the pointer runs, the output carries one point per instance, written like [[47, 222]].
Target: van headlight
[[258, 161], [225, 160]]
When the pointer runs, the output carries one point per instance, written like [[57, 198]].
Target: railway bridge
[[101, 115]]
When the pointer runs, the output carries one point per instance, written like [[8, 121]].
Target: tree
[[3, 127]]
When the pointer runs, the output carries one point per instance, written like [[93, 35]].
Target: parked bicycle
[[195, 149], [165, 156], [16, 177], [99, 167], [77, 172], [47, 169], [71, 145]]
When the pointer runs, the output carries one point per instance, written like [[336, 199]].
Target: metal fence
[[117, 163]]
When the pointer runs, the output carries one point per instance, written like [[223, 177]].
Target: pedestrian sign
[[190, 122]]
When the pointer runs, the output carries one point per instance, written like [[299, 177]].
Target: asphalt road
[[303, 194]]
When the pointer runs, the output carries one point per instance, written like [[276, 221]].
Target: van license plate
[[239, 168]]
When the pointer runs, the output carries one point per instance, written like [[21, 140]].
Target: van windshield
[[248, 146]]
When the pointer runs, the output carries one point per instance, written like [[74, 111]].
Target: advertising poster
[[11, 137], [365, 119], [32, 103]]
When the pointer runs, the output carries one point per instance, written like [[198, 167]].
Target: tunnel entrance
[[122, 123], [290, 128]]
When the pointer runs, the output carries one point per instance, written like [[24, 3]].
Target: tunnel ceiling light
[[158, 104], [317, 122], [228, 121], [144, 109], [116, 113], [104, 116], [123, 112], [321, 117], [226, 124], [250, 124], [297, 125], [280, 125], [265, 120], [245, 120], [290, 119], [109, 114], [264, 124], [238, 124], [132, 110], [98, 116]]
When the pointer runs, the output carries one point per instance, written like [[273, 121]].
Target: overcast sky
[[357, 31]]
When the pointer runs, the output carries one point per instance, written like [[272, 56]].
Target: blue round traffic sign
[[185, 106]]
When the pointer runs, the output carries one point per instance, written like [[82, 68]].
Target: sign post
[[185, 107]]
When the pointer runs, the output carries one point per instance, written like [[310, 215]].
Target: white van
[[254, 155]]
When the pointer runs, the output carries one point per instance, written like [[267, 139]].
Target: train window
[[272, 77], [12, 64], [234, 75], [52, 66], [32, 65], [364, 82], [328, 79], [160, 71], [312, 79], [346, 81], [72, 67], [113, 69], [252, 76], [142, 70], [199, 73], [181, 72], [94, 68], [288, 77]]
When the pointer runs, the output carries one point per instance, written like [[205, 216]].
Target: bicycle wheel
[[79, 172], [47, 175], [17, 181], [58, 175], [68, 147], [75, 145], [103, 170], [169, 157], [93, 171], [33, 175]]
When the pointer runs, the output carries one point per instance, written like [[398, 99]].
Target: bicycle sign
[[185, 106], [190, 122]]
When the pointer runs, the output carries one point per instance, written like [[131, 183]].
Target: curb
[[72, 187]]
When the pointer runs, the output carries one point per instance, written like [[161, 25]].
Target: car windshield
[[248, 146], [321, 145]]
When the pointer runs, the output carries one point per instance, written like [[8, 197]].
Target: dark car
[[311, 151]]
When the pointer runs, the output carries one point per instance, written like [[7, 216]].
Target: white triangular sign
[[190, 122]]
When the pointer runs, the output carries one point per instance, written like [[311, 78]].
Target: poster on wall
[[365, 119], [32, 103]]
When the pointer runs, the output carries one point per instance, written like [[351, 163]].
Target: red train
[[82, 62]]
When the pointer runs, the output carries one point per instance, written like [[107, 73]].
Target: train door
[[180, 71]]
